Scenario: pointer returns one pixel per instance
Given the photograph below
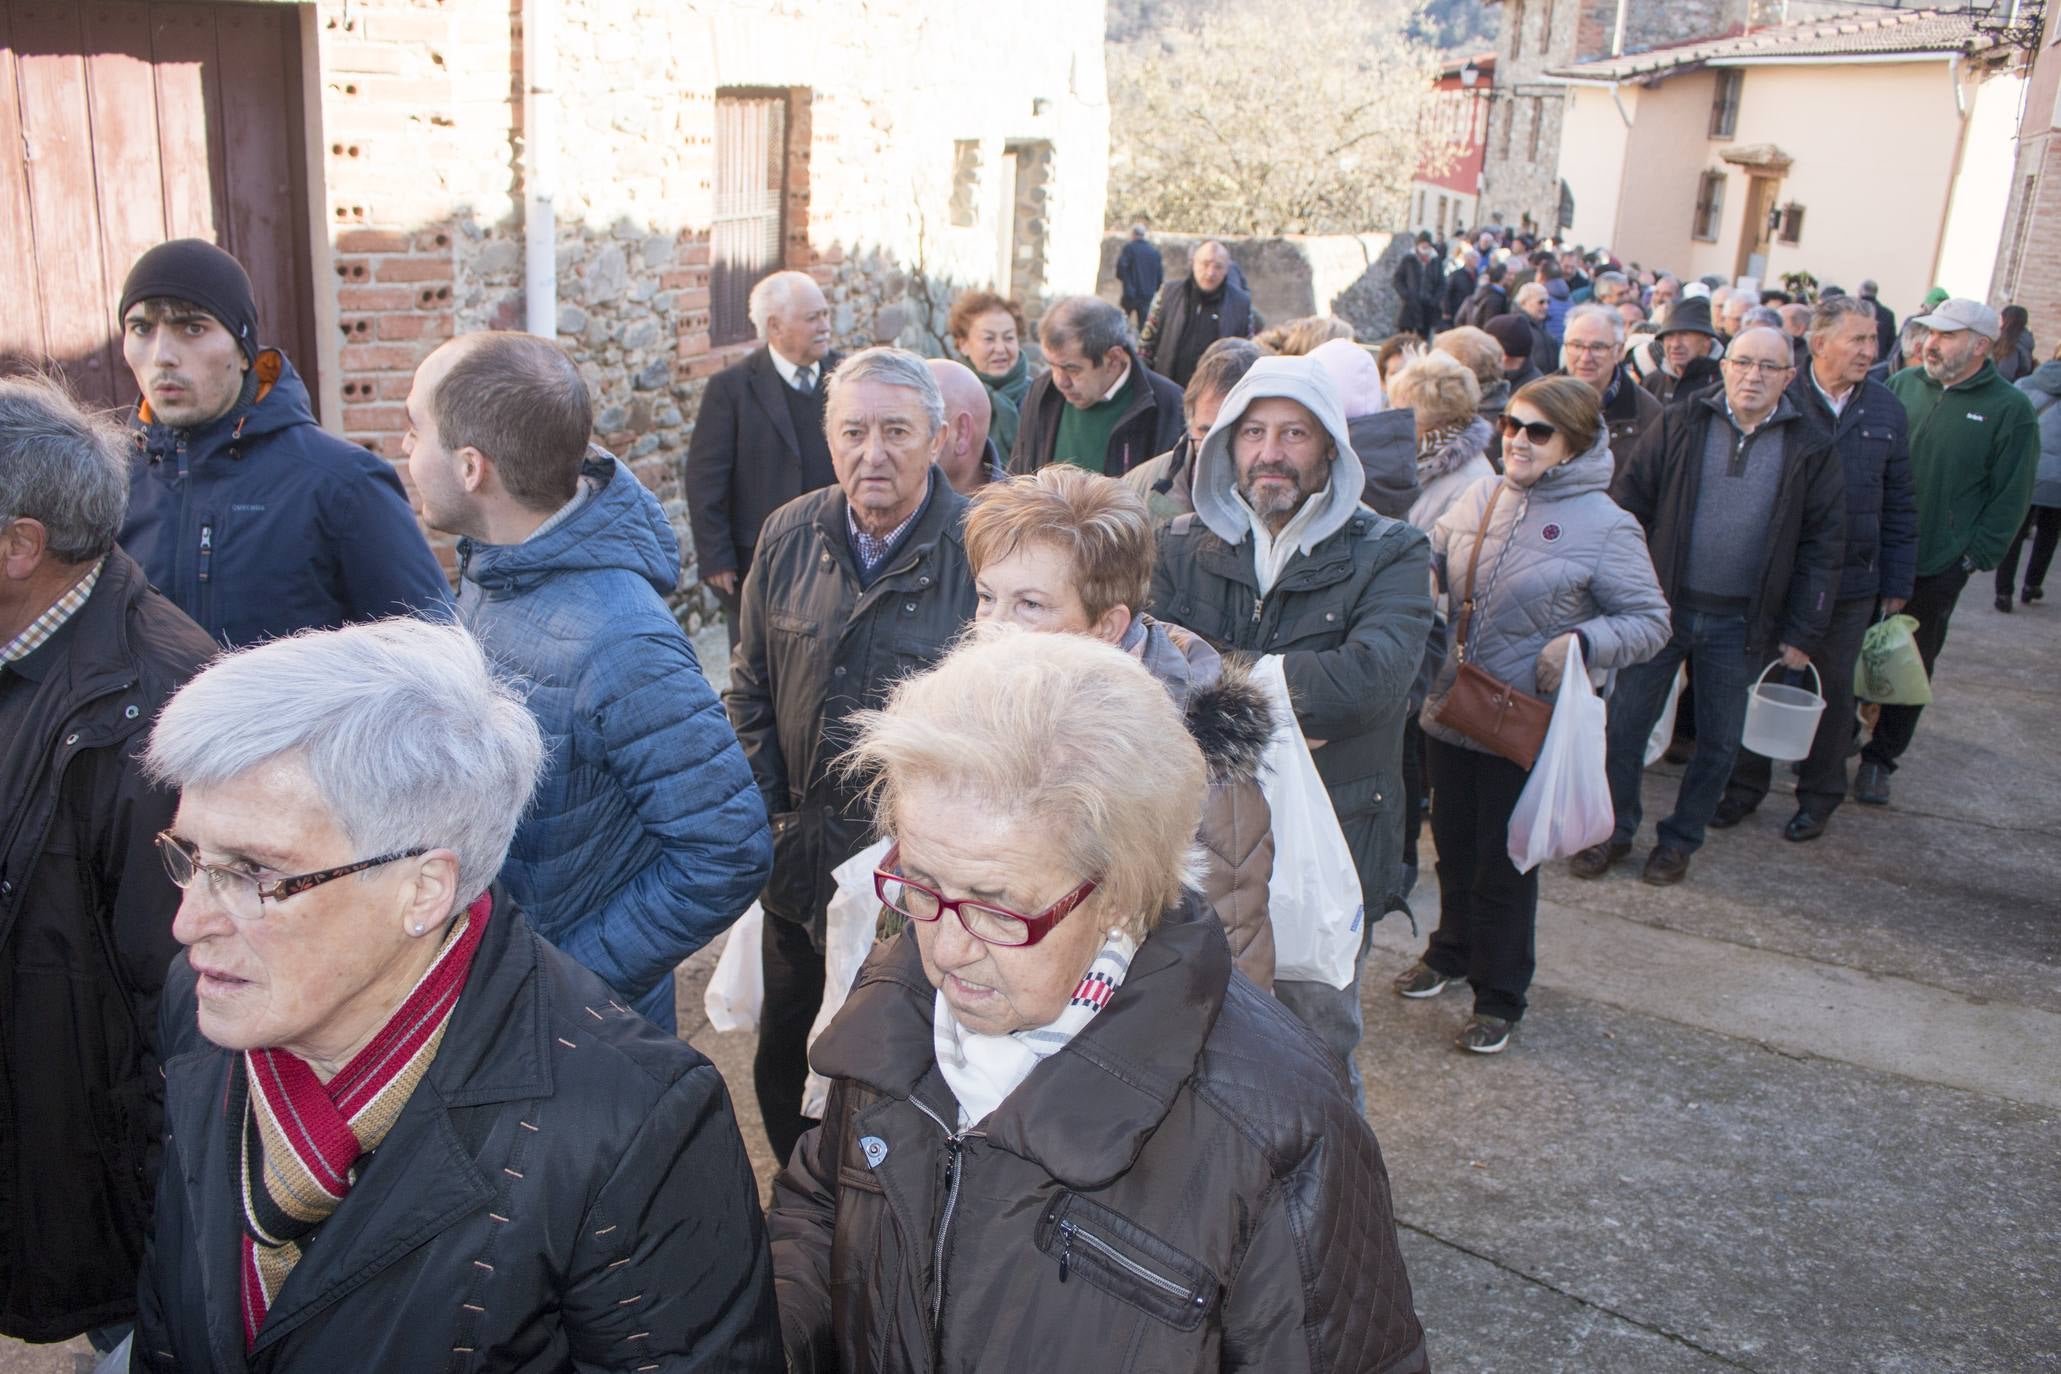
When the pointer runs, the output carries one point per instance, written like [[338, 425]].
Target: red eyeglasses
[[997, 925]]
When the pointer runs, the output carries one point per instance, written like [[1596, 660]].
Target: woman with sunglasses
[[1559, 563], [1061, 1134]]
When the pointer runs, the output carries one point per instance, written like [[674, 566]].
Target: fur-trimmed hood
[[1228, 716]]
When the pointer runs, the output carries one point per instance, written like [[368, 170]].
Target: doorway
[[126, 124], [1757, 231]]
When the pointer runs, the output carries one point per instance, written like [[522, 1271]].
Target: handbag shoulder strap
[[1488, 512]]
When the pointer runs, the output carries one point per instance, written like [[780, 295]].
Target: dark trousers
[[2043, 526], [730, 604], [793, 968], [1416, 787], [1715, 649], [1488, 912], [1932, 605], [1821, 783]]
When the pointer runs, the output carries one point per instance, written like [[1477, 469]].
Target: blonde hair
[[1099, 523], [1301, 337], [1477, 349], [1440, 388], [1070, 737]]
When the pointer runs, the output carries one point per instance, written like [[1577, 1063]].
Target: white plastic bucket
[[1781, 721]]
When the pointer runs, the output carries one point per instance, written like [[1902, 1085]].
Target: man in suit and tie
[[758, 442]]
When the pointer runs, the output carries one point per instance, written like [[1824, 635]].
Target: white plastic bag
[[738, 986], [1664, 731], [1565, 806], [853, 917], [1313, 899]]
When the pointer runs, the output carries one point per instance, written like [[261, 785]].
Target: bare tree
[[1308, 117]]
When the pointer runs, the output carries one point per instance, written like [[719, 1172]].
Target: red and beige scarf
[[302, 1138]]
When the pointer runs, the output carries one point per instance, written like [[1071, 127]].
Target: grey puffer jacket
[[1231, 721], [1559, 557], [2044, 389]]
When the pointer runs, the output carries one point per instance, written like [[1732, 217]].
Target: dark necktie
[[805, 380]]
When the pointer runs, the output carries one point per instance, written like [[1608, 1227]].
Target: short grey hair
[[889, 366], [1761, 317], [1612, 279], [1089, 322], [772, 296], [1528, 290], [410, 737], [1590, 310], [1830, 310], [61, 466]]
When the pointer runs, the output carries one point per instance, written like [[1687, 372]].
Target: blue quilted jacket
[[647, 836]]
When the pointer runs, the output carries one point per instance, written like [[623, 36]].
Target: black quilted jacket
[[1185, 1186]]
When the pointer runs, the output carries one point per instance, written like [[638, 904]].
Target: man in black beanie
[[253, 519]]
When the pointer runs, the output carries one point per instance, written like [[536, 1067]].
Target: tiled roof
[[1862, 33]]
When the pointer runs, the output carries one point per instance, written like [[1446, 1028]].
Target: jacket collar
[[420, 1181], [941, 512], [1085, 1113]]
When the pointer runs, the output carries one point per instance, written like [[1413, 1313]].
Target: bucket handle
[[1808, 663]]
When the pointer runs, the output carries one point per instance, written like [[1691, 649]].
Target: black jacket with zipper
[[1149, 425], [564, 1190], [1792, 602], [85, 935], [816, 643], [1184, 1186]]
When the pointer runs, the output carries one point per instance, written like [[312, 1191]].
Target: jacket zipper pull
[[1065, 1249], [207, 549], [1257, 602]]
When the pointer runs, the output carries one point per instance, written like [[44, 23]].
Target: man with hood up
[[251, 517], [646, 838], [1280, 557]]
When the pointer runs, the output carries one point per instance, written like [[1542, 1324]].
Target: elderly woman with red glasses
[[1061, 1135]]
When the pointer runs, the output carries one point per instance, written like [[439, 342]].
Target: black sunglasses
[[1538, 431]]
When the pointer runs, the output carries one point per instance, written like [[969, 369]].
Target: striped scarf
[[302, 1138], [982, 1070]]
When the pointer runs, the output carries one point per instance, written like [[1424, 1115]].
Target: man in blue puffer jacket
[[647, 837], [251, 517]]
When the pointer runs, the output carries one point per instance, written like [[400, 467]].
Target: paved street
[[1798, 1114]]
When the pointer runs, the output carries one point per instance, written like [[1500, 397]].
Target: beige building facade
[[1873, 149]]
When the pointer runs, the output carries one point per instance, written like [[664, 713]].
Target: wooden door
[[746, 233], [124, 123], [1755, 233]]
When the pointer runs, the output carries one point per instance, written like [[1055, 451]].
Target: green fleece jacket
[[1975, 448]]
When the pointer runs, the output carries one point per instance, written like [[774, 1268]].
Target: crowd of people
[[340, 909]]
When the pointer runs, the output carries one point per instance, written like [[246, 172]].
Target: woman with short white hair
[[1060, 1134], [403, 1131]]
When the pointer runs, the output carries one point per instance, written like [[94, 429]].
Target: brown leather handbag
[[1481, 706]]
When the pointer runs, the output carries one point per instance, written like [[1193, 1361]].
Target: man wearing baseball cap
[[1974, 451], [251, 517]]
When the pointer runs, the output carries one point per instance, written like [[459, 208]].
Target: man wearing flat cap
[[250, 516], [1974, 451]]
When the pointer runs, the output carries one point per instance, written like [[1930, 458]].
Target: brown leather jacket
[[1231, 721], [1184, 1186]]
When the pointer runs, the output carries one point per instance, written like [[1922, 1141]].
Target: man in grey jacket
[[1279, 557]]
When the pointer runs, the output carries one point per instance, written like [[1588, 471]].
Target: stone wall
[[1346, 275], [420, 114]]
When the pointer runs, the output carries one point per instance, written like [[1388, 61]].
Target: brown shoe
[[1596, 860], [1666, 866]]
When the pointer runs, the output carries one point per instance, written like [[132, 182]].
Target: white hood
[[1216, 478]]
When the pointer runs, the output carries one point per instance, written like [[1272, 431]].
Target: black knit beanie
[[197, 271]]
